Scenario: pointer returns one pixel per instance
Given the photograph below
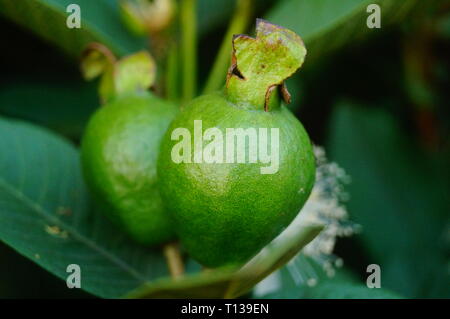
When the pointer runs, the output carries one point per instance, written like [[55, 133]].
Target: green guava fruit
[[229, 193], [119, 152]]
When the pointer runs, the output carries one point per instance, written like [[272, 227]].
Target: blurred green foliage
[[398, 195], [377, 98]]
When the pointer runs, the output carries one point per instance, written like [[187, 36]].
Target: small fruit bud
[[147, 17]]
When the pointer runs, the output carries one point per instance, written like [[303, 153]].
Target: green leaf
[[208, 284], [343, 290], [327, 25], [274, 256], [343, 285], [213, 13], [231, 283], [397, 196], [100, 22], [63, 106], [45, 215]]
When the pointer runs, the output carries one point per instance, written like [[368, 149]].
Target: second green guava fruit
[[119, 153], [226, 209], [121, 143]]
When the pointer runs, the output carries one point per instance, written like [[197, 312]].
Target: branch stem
[[172, 82], [189, 48], [174, 260], [238, 25]]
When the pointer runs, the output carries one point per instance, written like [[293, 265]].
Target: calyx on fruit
[[120, 145], [260, 65], [226, 209], [132, 74]]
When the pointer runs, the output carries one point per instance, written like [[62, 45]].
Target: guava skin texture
[[119, 154], [224, 213]]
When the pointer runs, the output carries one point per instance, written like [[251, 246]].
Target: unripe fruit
[[119, 152], [225, 209]]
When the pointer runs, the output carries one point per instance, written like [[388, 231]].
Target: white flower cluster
[[324, 206]]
